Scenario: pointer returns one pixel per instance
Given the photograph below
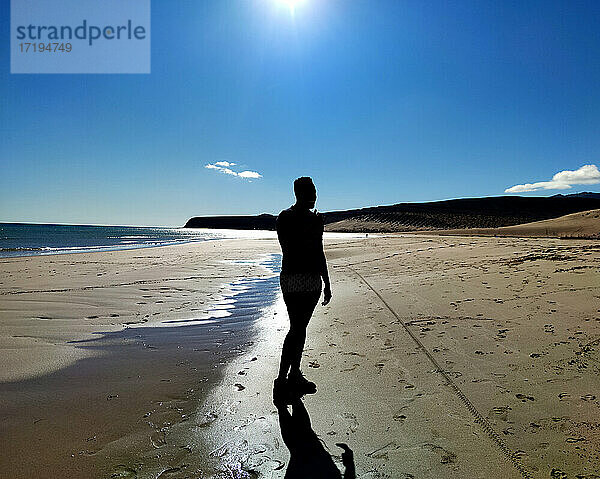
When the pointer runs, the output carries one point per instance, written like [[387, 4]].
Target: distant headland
[[487, 212]]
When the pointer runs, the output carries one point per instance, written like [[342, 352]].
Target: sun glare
[[290, 4]]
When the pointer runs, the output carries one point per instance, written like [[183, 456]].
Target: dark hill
[[490, 212], [583, 194], [259, 222]]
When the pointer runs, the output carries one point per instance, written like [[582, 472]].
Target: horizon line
[[264, 213]]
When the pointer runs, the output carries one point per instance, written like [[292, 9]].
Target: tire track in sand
[[479, 419]]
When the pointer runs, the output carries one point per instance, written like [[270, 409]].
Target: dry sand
[[584, 225], [437, 357]]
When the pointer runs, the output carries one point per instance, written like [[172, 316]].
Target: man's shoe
[[298, 382]]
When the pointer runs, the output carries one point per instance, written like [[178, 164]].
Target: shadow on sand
[[309, 458]]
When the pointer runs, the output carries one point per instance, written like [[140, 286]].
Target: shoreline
[[103, 249], [99, 296], [154, 238], [239, 235]]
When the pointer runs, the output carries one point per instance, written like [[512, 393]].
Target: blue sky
[[379, 101]]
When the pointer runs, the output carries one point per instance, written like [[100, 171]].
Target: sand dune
[[584, 225]]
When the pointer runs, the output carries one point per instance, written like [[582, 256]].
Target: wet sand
[[437, 357], [84, 397]]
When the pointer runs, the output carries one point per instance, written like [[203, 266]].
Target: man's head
[[305, 191]]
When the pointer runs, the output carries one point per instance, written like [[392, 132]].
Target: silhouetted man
[[303, 269]]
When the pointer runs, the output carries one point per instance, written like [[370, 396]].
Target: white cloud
[[249, 174], [563, 180], [223, 167]]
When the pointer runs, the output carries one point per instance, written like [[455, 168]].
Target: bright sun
[[291, 4]]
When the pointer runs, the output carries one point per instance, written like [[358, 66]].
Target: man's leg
[[291, 304], [297, 337], [308, 302]]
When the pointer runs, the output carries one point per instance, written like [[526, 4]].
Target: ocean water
[[20, 239]]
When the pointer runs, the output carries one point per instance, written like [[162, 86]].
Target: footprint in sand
[[502, 333], [446, 457], [209, 418], [123, 472], [158, 439], [353, 353], [502, 412], [168, 472], [382, 452], [85, 452], [524, 397], [352, 368], [353, 423]]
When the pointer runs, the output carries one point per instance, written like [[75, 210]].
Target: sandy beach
[[437, 357], [300, 239]]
